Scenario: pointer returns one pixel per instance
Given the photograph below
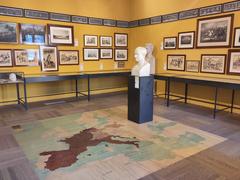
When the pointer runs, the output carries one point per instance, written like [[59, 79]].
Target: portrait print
[[32, 34], [8, 32], [213, 64], [5, 58], [237, 37], [234, 62], [49, 60], [215, 31], [176, 62]]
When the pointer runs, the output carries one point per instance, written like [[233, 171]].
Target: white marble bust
[[143, 67], [150, 58]]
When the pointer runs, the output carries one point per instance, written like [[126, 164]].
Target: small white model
[[143, 67], [150, 58]]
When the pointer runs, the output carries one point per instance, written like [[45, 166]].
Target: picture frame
[[48, 58], [106, 53], [169, 43], [32, 34], [6, 59], [68, 57], [8, 32], [121, 39], [121, 55], [26, 57], [176, 62], [215, 32], [236, 43], [192, 66], [233, 62], [213, 63], [106, 41], [90, 40], [90, 54], [60, 35], [186, 40]]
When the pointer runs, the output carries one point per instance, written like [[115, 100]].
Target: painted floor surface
[[103, 144]]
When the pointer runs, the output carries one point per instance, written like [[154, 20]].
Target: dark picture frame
[[90, 54], [33, 34], [6, 55], [233, 63], [49, 58], [236, 39], [186, 40], [215, 32], [191, 66], [90, 40], [8, 32], [106, 56], [176, 62], [121, 40], [106, 41], [121, 55], [60, 35], [26, 57], [68, 57], [170, 43], [213, 63]]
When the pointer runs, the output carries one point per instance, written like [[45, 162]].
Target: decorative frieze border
[[188, 14]]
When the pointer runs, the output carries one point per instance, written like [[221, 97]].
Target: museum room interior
[[119, 89]]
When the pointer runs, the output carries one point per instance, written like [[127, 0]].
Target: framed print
[[186, 40], [106, 53], [236, 37], [215, 32], [32, 34], [68, 57], [26, 57], [192, 66], [234, 62], [170, 43], [121, 55], [91, 40], [49, 59], [60, 35], [106, 41], [90, 54], [6, 58], [176, 62], [8, 32], [213, 63], [121, 39]]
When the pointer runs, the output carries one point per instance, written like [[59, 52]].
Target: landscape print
[[8, 32], [176, 62], [69, 57], [213, 64]]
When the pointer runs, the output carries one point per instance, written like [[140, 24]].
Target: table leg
[[232, 105], [76, 86], [18, 94], [25, 95], [215, 103], [186, 92], [168, 92], [89, 90], [166, 84]]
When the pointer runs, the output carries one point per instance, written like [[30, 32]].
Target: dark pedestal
[[140, 101]]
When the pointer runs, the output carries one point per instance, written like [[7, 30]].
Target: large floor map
[[103, 144]]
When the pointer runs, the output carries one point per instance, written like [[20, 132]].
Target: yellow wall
[[156, 33], [111, 9]]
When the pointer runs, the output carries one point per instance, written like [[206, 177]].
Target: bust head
[[140, 54], [149, 47]]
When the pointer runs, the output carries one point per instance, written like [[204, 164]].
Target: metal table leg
[[25, 95], [76, 86], [89, 88], [166, 84], [215, 103], [168, 92], [232, 104], [186, 92], [18, 94]]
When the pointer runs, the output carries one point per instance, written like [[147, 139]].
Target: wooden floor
[[219, 162]]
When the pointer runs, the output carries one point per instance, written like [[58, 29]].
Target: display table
[[4, 80], [217, 83]]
